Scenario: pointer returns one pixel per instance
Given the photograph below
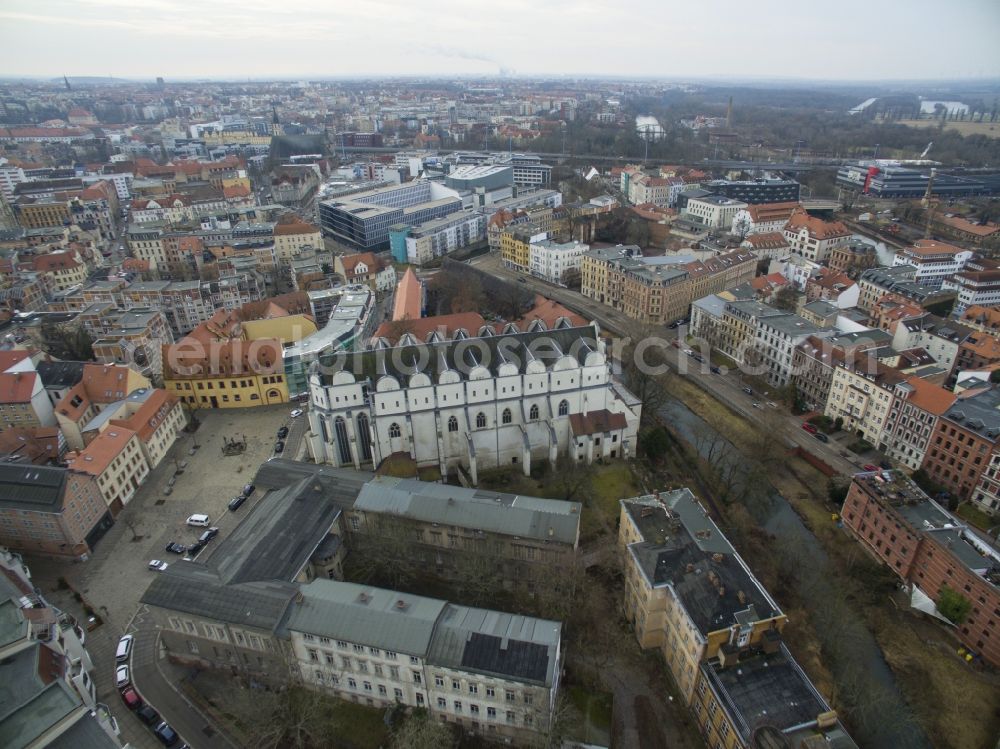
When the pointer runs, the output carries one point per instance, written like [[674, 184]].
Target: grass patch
[[611, 483], [363, 724], [974, 516], [593, 720]]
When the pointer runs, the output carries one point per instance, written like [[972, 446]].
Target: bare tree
[[418, 731]]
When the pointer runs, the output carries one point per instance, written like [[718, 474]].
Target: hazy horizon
[[235, 40]]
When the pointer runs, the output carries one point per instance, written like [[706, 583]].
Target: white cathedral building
[[476, 402]]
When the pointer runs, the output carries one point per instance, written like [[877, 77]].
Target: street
[[726, 388]]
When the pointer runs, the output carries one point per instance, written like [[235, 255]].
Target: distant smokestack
[[729, 114]]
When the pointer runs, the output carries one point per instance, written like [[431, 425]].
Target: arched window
[[364, 436], [563, 408], [507, 418], [533, 413], [480, 420], [394, 430], [343, 443], [452, 424]]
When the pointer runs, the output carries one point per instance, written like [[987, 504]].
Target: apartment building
[[51, 510], [432, 239], [963, 440], [116, 460], [899, 280], [935, 261], [554, 261], [59, 270], [834, 287], [292, 237], [974, 288], [813, 364], [688, 593], [714, 211], [515, 246], [23, 399], [133, 338], [982, 318], [770, 245], [99, 386], [812, 237], [774, 343], [853, 255], [861, 393], [916, 407], [977, 351], [939, 337], [762, 218], [929, 549], [366, 268]]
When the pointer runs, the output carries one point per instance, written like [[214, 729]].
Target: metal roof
[[478, 509], [376, 617], [31, 487]]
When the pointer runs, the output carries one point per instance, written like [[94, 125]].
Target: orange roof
[[963, 224], [134, 263], [101, 383], [987, 317], [409, 297], [54, 261], [149, 415], [817, 227], [549, 312], [11, 357], [771, 211], [196, 359], [236, 191], [933, 247], [105, 447], [931, 398], [767, 241], [830, 279], [983, 345], [368, 258], [39, 444], [299, 227], [16, 387], [421, 327]]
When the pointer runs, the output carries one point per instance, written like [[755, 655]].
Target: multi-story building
[[982, 318], [762, 218], [553, 261], [963, 440], [24, 401], [935, 261], [974, 289], [813, 364], [976, 351], [768, 245], [875, 283], [774, 343], [939, 337], [987, 491], [291, 238], [755, 191], [930, 549], [688, 593], [494, 400], [366, 268], [134, 338], [861, 393], [850, 256], [812, 237], [714, 211], [97, 387], [51, 510], [420, 244], [515, 245], [116, 460], [916, 407], [59, 270], [834, 287]]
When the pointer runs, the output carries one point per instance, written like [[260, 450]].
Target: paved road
[[727, 388]]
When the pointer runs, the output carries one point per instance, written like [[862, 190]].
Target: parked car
[[755, 404], [821, 437], [131, 699], [199, 520], [870, 467], [167, 735], [124, 649], [811, 428], [122, 677], [715, 369], [208, 535], [248, 489], [748, 391], [157, 566], [148, 715], [279, 447], [282, 433], [675, 343], [175, 548], [689, 352], [296, 413], [236, 502], [194, 548]]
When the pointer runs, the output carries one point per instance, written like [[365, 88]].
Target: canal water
[[866, 671]]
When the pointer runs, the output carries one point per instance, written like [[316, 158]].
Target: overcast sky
[[829, 39]]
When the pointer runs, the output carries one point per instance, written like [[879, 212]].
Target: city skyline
[[176, 38]]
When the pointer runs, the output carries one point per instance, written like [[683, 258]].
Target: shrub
[[953, 605]]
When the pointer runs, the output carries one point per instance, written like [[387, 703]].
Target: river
[[815, 587], [884, 254]]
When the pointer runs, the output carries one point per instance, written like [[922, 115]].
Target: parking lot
[[204, 478]]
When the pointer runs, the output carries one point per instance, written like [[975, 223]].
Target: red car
[[870, 467], [132, 700], [809, 427]]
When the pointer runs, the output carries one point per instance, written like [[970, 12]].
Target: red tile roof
[[409, 297], [817, 227], [596, 422], [11, 357], [16, 387], [54, 261]]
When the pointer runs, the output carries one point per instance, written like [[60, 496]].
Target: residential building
[[797, 269], [515, 245], [420, 244], [99, 386], [812, 237], [974, 289], [977, 351], [929, 549], [774, 343], [134, 338], [941, 338], [714, 211], [366, 268], [861, 394], [51, 510], [688, 593], [852, 256], [964, 438], [935, 261], [834, 287], [767, 245], [495, 400], [555, 262], [899, 280], [982, 318], [813, 364], [916, 407], [116, 460], [762, 218], [60, 270], [24, 402], [292, 237]]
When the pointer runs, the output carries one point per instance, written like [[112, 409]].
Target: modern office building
[[900, 182], [754, 191]]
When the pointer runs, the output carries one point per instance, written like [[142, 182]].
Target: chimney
[[728, 655], [827, 719]]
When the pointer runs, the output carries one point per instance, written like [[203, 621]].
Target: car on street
[[208, 535], [821, 437], [755, 404], [122, 677], [156, 565], [296, 413], [248, 489], [715, 369], [167, 735], [236, 502], [124, 649], [148, 715], [748, 391], [279, 447], [199, 520], [194, 548], [870, 467], [175, 548], [131, 699], [811, 428], [282, 433], [697, 357]]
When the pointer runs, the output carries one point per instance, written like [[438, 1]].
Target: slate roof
[[31, 487]]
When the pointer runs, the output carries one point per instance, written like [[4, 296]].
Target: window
[[368, 686], [417, 678], [491, 713], [442, 703], [458, 706], [474, 709], [452, 424], [480, 420], [352, 683], [509, 696], [563, 407], [490, 692], [414, 660], [455, 685], [394, 430], [439, 681], [398, 694], [506, 417], [473, 689]]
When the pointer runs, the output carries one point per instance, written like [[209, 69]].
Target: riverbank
[[956, 705]]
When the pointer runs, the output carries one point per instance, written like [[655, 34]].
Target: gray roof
[[491, 642], [978, 413], [31, 487], [60, 374], [86, 733], [478, 509], [789, 324], [28, 705], [376, 617], [713, 305], [12, 621], [822, 308]]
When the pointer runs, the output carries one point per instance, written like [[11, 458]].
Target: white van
[[124, 648], [199, 520]]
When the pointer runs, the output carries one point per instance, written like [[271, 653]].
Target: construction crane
[[929, 205]]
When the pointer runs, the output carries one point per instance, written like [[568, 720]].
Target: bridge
[[816, 204]]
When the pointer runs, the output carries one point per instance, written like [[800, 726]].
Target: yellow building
[[291, 238], [687, 591], [43, 213], [515, 246]]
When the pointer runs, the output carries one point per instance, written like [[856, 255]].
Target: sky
[[241, 39]]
